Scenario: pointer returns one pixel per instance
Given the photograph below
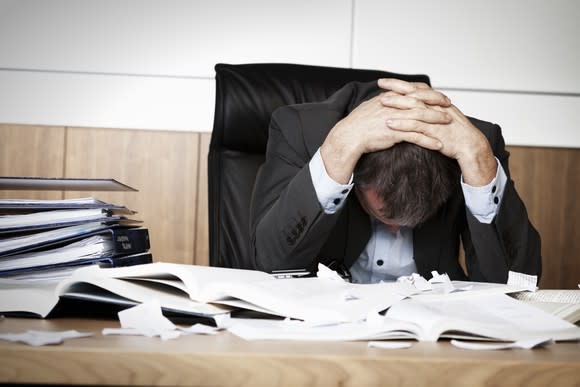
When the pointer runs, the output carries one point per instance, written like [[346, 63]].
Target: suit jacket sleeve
[[510, 242], [288, 225]]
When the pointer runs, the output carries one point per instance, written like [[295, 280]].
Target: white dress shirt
[[388, 256]]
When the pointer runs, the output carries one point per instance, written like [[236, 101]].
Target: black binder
[[108, 261], [124, 246], [128, 240]]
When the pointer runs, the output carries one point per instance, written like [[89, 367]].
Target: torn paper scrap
[[390, 344], [421, 283], [326, 273], [200, 329], [526, 281], [437, 278], [444, 282], [416, 281], [146, 319], [38, 338], [521, 344]]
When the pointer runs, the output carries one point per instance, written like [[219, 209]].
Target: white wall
[[149, 64]]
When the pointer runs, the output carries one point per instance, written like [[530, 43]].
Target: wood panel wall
[[170, 171], [548, 180], [31, 151]]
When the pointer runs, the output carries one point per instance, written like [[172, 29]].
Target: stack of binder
[[48, 239]]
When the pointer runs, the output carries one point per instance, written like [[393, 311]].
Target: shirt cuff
[[331, 195], [484, 202]]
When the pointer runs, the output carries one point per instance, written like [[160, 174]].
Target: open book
[[208, 291], [310, 299], [564, 303], [479, 317]]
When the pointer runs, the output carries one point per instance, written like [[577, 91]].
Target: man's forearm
[[479, 166]]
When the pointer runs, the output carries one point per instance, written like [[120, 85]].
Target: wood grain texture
[[202, 226], [37, 151], [548, 180], [226, 360], [161, 165]]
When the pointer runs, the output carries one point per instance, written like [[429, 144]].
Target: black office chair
[[246, 96]]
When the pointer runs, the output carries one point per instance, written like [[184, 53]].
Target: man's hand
[[459, 138], [365, 129]]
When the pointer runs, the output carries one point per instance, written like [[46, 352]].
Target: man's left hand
[[460, 139]]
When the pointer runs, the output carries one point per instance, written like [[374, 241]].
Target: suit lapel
[[359, 231], [426, 247]]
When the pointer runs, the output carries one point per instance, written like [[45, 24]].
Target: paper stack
[[47, 239]]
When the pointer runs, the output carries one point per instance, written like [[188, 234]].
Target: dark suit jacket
[[289, 229]]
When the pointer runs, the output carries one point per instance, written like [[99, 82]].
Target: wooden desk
[[226, 360]]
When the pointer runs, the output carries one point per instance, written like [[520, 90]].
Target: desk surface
[[226, 360]]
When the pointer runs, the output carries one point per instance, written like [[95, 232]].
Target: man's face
[[373, 206]]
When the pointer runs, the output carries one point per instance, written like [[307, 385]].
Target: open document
[[481, 317], [314, 308]]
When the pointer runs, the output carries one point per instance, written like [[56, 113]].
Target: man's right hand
[[365, 129]]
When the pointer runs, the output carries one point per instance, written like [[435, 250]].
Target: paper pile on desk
[[493, 316]]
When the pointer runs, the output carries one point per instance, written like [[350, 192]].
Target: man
[[424, 177]]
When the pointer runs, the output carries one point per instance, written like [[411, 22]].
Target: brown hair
[[412, 181]]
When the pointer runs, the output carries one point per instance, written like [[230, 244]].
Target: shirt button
[[344, 191], [493, 189], [336, 201], [496, 200], [380, 262]]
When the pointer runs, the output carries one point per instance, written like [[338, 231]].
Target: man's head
[[404, 185]]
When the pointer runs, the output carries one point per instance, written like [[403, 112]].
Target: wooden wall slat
[[548, 180], [202, 227], [37, 151], [161, 165]]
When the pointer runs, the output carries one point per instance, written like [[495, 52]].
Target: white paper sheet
[[38, 338], [390, 344], [146, 319], [326, 273], [522, 344], [258, 329], [497, 316], [528, 282]]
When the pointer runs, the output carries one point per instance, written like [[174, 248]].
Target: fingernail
[[447, 100]]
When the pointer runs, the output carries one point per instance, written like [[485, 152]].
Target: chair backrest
[[246, 96]]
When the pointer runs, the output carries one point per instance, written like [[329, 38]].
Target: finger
[[406, 125], [418, 90], [421, 85], [397, 85], [431, 97], [430, 116], [398, 101], [418, 139]]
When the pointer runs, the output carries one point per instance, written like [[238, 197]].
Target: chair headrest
[[247, 94]]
